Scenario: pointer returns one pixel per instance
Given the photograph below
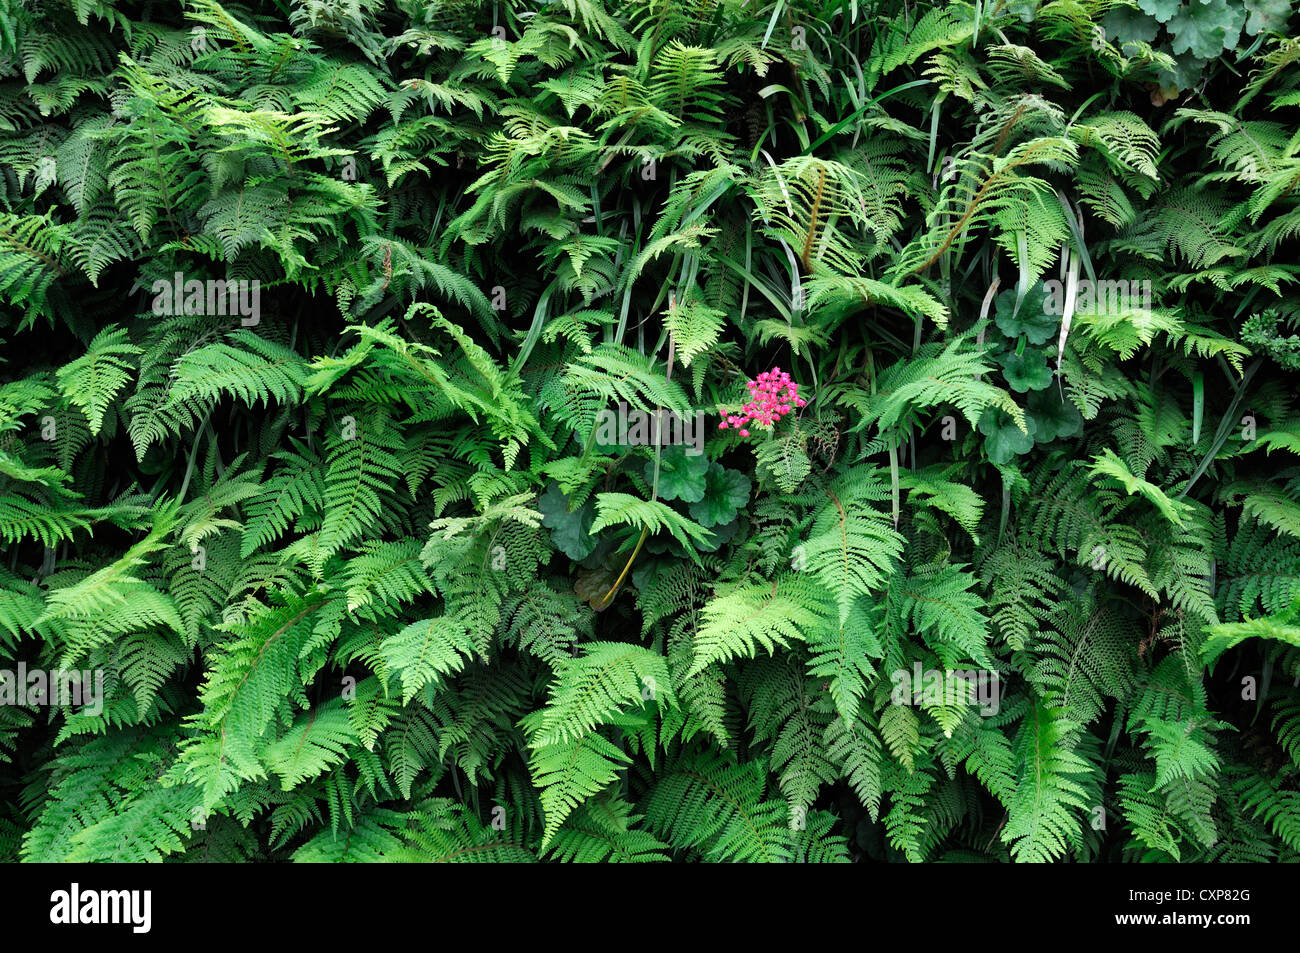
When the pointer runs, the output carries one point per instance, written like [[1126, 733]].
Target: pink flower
[[772, 396]]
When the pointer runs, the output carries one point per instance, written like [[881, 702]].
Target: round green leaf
[[725, 492], [570, 531], [1206, 29], [1003, 439], [1053, 416], [1026, 371], [681, 474], [1034, 320]]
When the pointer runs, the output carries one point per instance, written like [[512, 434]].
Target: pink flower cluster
[[772, 396]]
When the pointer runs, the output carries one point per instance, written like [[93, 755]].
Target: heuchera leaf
[[1188, 69], [1026, 371], [681, 475], [1267, 16], [591, 585], [1126, 25], [1206, 29], [1032, 320], [569, 530], [725, 492], [719, 535], [1053, 416], [1004, 439], [1162, 10]]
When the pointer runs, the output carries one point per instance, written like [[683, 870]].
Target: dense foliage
[[333, 329]]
